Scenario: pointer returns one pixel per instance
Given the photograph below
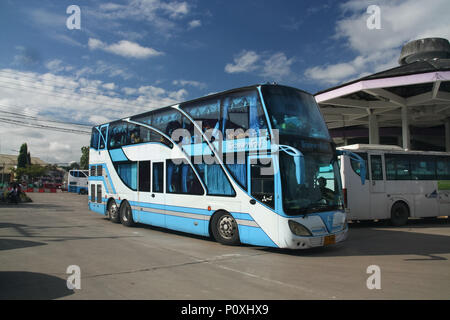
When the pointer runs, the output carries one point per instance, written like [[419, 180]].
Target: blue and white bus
[[77, 181], [253, 165]]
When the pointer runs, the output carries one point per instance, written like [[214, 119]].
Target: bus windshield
[[320, 188], [294, 112]]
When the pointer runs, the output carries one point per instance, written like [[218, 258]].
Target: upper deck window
[[294, 112], [94, 138]]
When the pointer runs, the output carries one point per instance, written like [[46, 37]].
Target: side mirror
[[355, 157]]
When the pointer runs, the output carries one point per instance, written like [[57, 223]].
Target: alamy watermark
[[74, 280], [74, 20], [374, 281], [374, 20], [235, 142]]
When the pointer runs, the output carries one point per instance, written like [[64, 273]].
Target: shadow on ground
[[11, 244], [373, 239], [31, 286]]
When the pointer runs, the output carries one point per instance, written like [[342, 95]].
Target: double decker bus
[[253, 165], [402, 184], [77, 181]]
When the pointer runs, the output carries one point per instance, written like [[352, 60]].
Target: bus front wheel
[[399, 214], [225, 228]]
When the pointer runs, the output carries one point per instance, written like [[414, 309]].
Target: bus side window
[[94, 138], [158, 175], [180, 178], [262, 184], [443, 168], [376, 167], [144, 176]]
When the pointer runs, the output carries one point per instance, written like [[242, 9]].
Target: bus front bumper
[[296, 242]]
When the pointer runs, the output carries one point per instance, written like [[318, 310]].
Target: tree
[[22, 159], [84, 160]]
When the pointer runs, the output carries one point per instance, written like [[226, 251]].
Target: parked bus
[[77, 181], [402, 184], [253, 165]]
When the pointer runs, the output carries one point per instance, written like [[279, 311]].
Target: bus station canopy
[[417, 94]]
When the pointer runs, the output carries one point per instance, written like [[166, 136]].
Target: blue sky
[[134, 55]]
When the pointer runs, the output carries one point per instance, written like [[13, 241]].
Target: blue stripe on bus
[[102, 179], [117, 155], [255, 236], [248, 234], [97, 207], [236, 215]]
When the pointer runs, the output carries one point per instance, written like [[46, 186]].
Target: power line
[[41, 119], [41, 126], [57, 94]]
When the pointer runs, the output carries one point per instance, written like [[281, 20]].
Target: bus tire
[[113, 211], [399, 214], [126, 214], [224, 228]]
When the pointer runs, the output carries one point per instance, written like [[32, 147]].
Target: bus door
[[262, 187], [377, 186], [151, 193]]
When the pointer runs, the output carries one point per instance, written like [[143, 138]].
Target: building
[[408, 105], [8, 162]]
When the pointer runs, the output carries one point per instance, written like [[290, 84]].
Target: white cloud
[[56, 66], [275, 66], [192, 83], [194, 24], [124, 48], [161, 14], [109, 86], [376, 50], [245, 61]]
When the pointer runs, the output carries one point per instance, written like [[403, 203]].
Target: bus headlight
[[298, 229]]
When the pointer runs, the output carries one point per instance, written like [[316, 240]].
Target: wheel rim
[[126, 214], [113, 211], [227, 227]]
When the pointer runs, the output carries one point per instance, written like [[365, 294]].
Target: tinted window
[[144, 176], [180, 178], [397, 167], [262, 187], [376, 167], [215, 180], [93, 168], [99, 193], [294, 112], [127, 172], [103, 137], [207, 112], [158, 175], [124, 133], [423, 168], [443, 168], [94, 138], [236, 164]]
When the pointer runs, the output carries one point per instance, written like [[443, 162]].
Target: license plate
[[329, 240]]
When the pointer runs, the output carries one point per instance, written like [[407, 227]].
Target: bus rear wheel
[[113, 212], [399, 214], [126, 215], [225, 229]]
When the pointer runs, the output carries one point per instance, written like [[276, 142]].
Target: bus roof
[[388, 148], [212, 95]]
